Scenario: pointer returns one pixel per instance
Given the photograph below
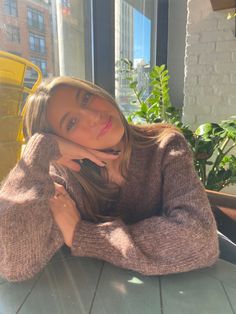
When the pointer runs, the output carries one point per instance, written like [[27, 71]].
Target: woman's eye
[[71, 124], [86, 98]]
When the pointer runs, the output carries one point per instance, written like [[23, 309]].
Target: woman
[[128, 195]]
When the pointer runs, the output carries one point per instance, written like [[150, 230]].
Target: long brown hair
[[97, 192]]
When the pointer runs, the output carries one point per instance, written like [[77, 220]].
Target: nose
[[92, 117]]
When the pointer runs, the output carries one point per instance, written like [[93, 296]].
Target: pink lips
[[106, 128]]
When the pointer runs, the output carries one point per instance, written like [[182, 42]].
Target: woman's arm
[[182, 239], [29, 237]]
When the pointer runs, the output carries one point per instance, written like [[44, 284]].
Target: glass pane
[[55, 35], [74, 37], [135, 46]]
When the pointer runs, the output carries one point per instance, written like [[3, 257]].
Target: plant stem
[[230, 148], [136, 94], [224, 144], [220, 154]]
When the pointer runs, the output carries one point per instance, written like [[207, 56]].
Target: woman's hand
[[65, 213], [71, 151]]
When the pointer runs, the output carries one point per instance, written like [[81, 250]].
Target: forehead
[[62, 100]]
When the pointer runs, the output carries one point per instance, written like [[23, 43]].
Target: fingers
[[62, 195], [71, 152], [73, 165], [60, 190], [104, 156]]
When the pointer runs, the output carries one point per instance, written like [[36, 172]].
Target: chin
[[111, 141]]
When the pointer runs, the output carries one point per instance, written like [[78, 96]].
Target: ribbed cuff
[[91, 239]]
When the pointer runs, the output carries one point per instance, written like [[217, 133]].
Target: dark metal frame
[[104, 42]]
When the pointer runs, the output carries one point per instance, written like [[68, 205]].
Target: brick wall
[[22, 48], [210, 65]]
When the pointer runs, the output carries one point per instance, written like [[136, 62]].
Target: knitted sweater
[[167, 226]]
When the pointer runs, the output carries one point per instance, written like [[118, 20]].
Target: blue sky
[[142, 36]]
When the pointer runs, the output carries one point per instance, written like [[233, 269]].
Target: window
[[135, 46], [13, 33], [37, 43], [35, 19], [10, 7], [42, 64]]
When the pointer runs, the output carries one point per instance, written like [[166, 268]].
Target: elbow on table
[[14, 267], [17, 272], [208, 247]]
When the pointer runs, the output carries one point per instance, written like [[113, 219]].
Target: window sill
[[223, 4]]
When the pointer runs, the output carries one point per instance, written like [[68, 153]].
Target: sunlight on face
[[84, 118]]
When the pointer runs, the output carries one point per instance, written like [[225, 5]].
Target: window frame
[[40, 38], [104, 36], [13, 32], [10, 6], [35, 14], [38, 62]]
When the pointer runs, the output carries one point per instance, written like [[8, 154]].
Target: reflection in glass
[[55, 35], [135, 44]]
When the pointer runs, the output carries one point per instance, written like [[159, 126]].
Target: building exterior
[[26, 30], [124, 46]]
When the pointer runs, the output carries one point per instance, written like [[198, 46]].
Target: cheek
[[79, 137]]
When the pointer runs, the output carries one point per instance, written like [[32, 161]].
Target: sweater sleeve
[[182, 239], [29, 237]]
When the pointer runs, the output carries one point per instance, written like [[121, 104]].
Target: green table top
[[82, 285]]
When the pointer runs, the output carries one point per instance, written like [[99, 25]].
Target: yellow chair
[[14, 88]]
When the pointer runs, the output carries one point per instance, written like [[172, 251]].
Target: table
[[83, 285]]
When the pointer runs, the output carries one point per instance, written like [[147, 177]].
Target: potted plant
[[212, 143]]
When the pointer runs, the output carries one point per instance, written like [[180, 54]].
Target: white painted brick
[[192, 28], [206, 90], [233, 78], [188, 110], [225, 68], [234, 56], [191, 100], [209, 88], [202, 9], [208, 99], [232, 101], [213, 79], [213, 58], [217, 36], [222, 90], [200, 48], [222, 110], [198, 90], [192, 38], [223, 23], [207, 25], [190, 90], [205, 108], [226, 45], [203, 118], [192, 80], [189, 119], [200, 69], [191, 60]]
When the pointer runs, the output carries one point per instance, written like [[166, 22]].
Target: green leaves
[[210, 143]]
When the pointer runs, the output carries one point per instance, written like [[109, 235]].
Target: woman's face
[[84, 118]]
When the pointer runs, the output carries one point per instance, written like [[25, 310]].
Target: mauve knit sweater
[[167, 225]]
